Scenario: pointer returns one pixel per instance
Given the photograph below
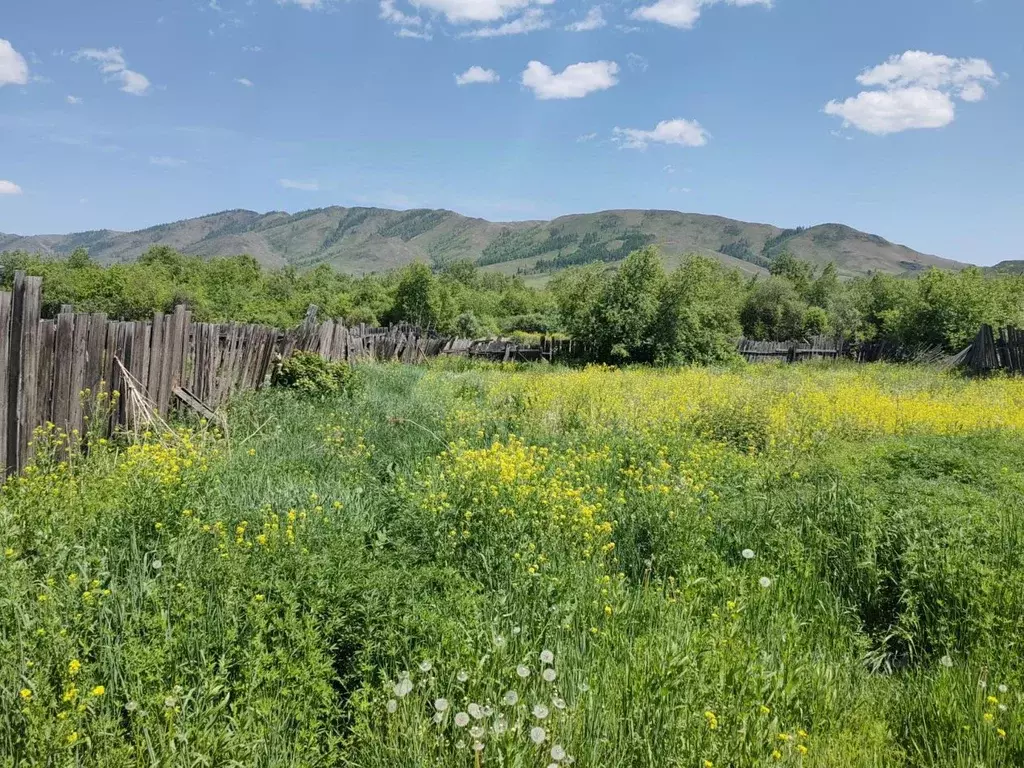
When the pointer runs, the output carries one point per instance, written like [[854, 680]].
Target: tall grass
[[522, 567]]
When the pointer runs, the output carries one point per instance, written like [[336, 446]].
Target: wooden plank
[[79, 361], [5, 348], [47, 334], [156, 357], [30, 416], [14, 363], [62, 363], [166, 365]]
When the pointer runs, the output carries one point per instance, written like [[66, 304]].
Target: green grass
[[399, 526]]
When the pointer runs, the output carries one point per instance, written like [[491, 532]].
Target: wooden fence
[[817, 348], [988, 353]]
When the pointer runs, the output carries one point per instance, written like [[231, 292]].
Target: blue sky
[[899, 117]]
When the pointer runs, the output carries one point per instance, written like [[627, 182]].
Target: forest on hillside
[[638, 312]]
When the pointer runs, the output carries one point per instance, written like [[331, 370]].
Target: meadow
[[459, 565]]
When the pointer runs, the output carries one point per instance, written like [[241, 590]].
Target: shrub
[[311, 375]]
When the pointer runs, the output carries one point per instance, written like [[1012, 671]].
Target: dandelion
[[538, 734], [708, 764], [784, 737], [438, 718], [776, 754], [946, 661], [158, 564], [511, 699], [523, 671], [499, 642], [462, 676], [748, 554], [73, 667], [1000, 733], [801, 749], [98, 691], [72, 737], [26, 694], [441, 704], [1002, 688], [500, 725], [802, 733], [516, 630], [558, 753], [131, 705], [477, 731], [540, 711], [392, 706], [607, 610], [1002, 707], [403, 687], [549, 675], [478, 746], [992, 700], [765, 582], [475, 711], [584, 687], [426, 666], [547, 657], [558, 702], [461, 719], [989, 717]]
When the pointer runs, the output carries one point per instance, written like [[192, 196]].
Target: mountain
[[360, 240], [1011, 267]]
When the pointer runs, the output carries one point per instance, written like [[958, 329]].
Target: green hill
[[361, 240]]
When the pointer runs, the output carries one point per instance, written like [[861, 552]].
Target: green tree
[[416, 297], [773, 311], [627, 308]]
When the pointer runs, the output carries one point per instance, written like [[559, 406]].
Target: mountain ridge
[[365, 239]]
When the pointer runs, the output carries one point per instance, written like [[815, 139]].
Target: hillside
[[1010, 267], [360, 240]]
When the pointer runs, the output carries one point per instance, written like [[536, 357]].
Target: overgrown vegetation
[[312, 375], [472, 566], [634, 312]]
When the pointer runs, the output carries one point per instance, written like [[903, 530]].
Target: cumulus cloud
[[913, 90], [73, 100], [636, 62], [9, 188], [112, 64], [585, 138], [309, 5], [304, 186], [13, 67], [574, 82], [412, 33], [593, 20], [530, 21], [463, 11], [686, 133], [244, 81], [683, 14], [477, 74]]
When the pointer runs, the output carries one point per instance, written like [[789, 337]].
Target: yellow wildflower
[[98, 691]]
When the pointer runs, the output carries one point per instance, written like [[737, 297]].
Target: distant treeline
[[637, 312]]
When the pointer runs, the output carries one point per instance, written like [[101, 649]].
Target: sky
[[898, 117]]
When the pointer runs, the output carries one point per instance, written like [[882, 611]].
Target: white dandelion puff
[[403, 687], [461, 719], [584, 687], [1002, 707], [946, 661], [158, 564], [478, 746], [523, 671], [438, 718], [392, 706], [547, 657], [552, 765], [500, 725], [538, 734], [441, 704], [516, 630], [463, 676], [982, 684], [477, 731], [748, 554], [499, 642], [558, 702], [511, 699], [460, 744], [540, 711], [475, 711], [549, 674], [1002, 688], [558, 753], [765, 582], [426, 666], [487, 710]]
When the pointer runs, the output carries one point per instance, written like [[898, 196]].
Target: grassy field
[[465, 566]]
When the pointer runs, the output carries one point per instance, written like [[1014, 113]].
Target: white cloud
[[13, 67], [901, 109], [244, 81], [252, 48], [913, 90], [413, 34], [477, 74], [73, 100], [392, 15], [111, 63], [530, 21], [9, 188], [593, 20], [585, 138], [686, 133], [574, 82], [636, 62], [683, 14], [167, 162], [305, 186], [669, 169], [309, 5], [462, 11]]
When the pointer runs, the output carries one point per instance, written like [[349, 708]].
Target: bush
[[311, 375]]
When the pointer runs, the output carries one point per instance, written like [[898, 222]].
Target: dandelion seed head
[[558, 702], [438, 718], [538, 734], [516, 630], [499, 642], [158, 564], [477, 731], [511, 698], [500, 725], [765, 582], [523, 671], [392, 706], [540, 711], [1002, 688], [478, 746], [475, 711], [748, 554], [547, 657], [462, 677], [461, 719], [403, 687], [426, 666], [558, 753], [946, 661], [549, 674], [441, 704]]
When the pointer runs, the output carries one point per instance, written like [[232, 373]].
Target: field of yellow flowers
[[462, 565]]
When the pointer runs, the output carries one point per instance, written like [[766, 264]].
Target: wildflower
[[131, 705], [73, 666], [558, 753], [392, 706], [98, 691], [477, 731], [158, 564], [437, 719], [989, 717], [478, 746], [259, 598], [1003, 688], [708, 764], [802, 733], [784, 737], [72, 737], [462, 676], [765, 582], [712, 719], [547, 657], [748, 554], [511, 699], [252, 451], [776, 754], [461, 719], [946, 661], [475, 711], [801, 749], [70, 694], [537, 735], [549, 675], [992, 700], [426, 666], [1000, 733], [523, 671], [441, 704], [1002, 707], [500, 725], [26, 694], [499, 642], [540, 711], [765, 710], [558, 702], [403, 687], [516, 630]]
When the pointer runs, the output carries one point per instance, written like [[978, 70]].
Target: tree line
[[637, 312]]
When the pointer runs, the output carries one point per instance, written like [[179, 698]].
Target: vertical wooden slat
[[156, 356], [47, 335], [5, 348], [164, 388], [80, 359], [62, 369], [30, 416]]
